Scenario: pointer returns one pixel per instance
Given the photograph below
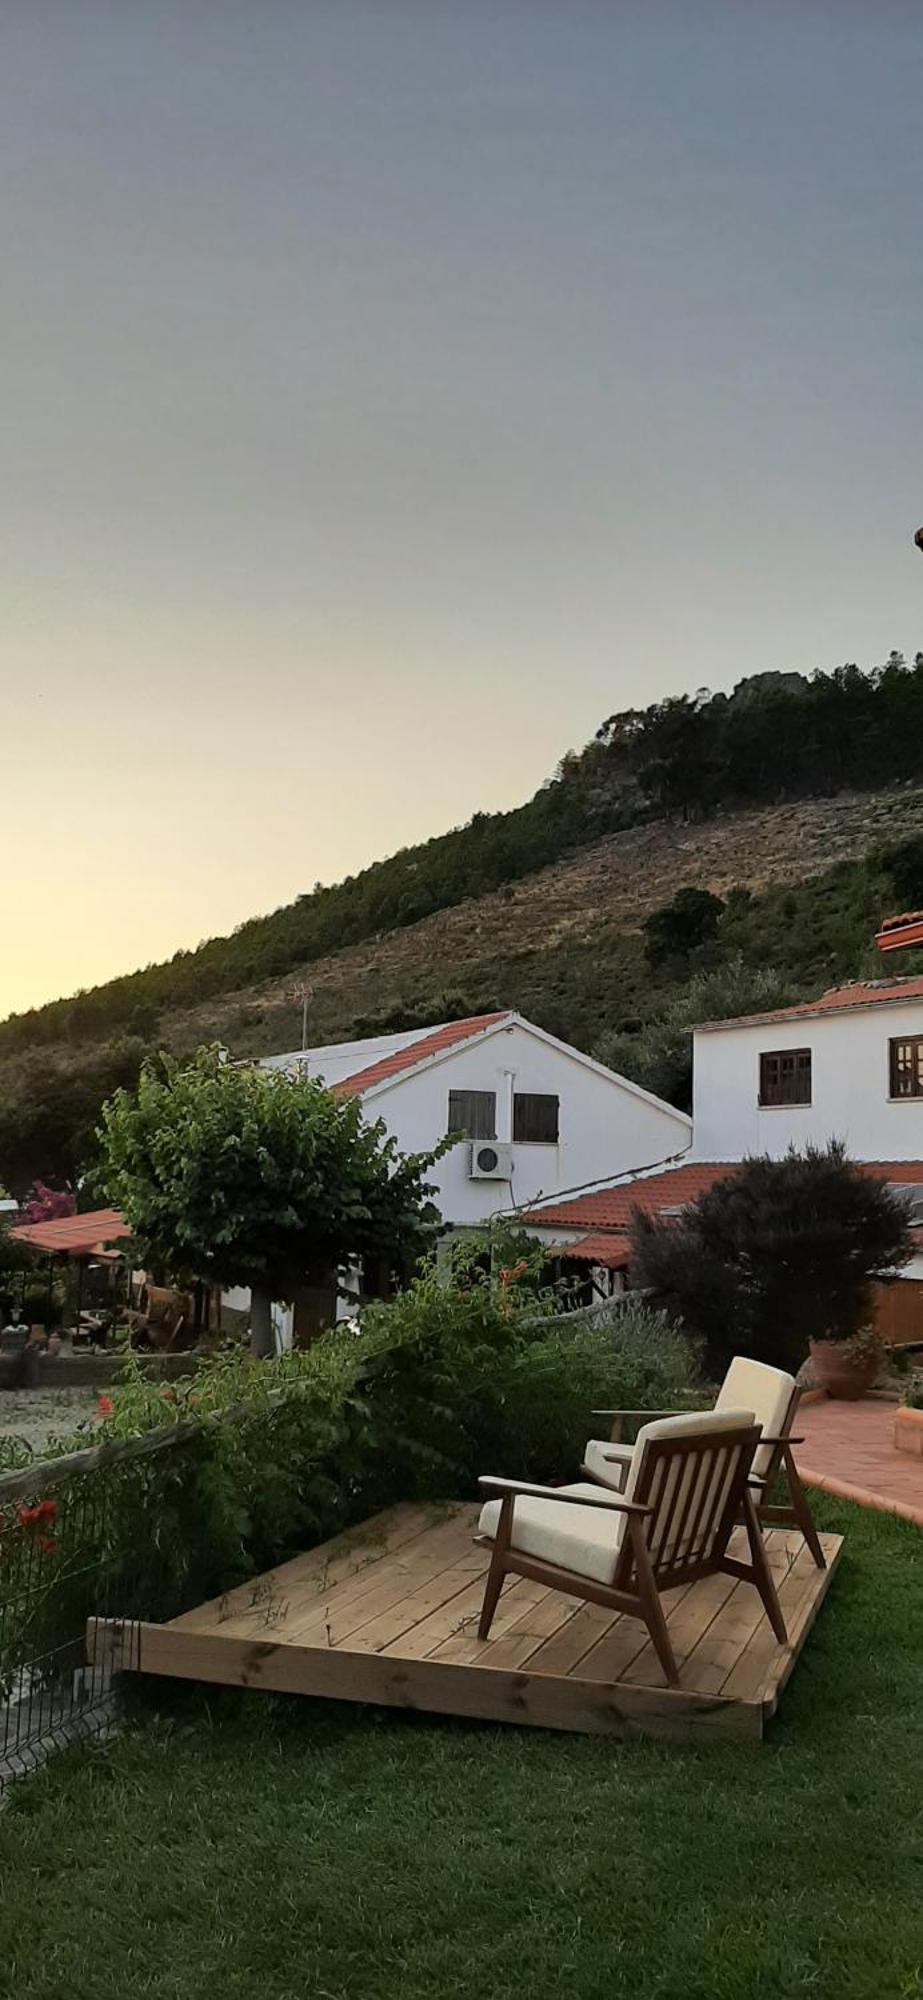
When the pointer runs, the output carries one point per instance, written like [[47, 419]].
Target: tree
[[681, 926], [251, 1177], [658, 1054], [777, 1254], [904, 863]]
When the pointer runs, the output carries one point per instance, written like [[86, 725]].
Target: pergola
[[80, 1236]]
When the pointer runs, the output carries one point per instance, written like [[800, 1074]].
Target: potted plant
[[908, 1421], [847, 1368]]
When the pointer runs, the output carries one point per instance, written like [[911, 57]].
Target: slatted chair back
[[692, 1471]]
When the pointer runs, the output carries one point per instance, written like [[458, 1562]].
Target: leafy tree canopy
[[779, 1253], [681, 926], [254, 1177]]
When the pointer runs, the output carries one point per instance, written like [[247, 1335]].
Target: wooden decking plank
[[765, 1664], [540, 1700], [687, 1623], [380, 1634], [717, 1652], [459, 1615], [389, 1614], [338, 1558], [563, 1651], [338, 1612], [386, 1571], [518, 1595], [802, 1621]]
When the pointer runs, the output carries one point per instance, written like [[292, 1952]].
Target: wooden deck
[[388, 1613]]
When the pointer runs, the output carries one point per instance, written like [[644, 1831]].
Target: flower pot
[[841, 1371], [908, 1431]]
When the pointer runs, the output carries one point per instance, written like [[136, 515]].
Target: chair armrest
[[637, 1413], [767, 1439], [511, 1487]]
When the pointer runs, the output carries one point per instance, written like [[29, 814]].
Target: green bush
[[446, 1382], [777, 1254]]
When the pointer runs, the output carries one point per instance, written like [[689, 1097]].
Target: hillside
[[776, 737], [554, 944], [564, 945], [753, 797]]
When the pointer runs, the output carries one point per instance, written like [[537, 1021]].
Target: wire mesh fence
[[86, 1536]]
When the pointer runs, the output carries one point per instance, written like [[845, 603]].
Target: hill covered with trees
[[753, 798], [777, 736]]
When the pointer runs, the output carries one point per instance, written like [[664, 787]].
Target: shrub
[[778, 1254], [252, 1461]]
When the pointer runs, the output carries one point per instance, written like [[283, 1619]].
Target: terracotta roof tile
[[612, 1251], [431, 1043], [74, 1235], [612, 1208], [838, 1000]]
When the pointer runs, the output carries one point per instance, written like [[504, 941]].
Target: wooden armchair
[[687, 1487], [774, 1397]]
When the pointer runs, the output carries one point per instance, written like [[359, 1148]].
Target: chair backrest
[[769, 1393], [692, 1471]]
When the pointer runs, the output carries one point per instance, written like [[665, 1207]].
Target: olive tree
[[243, 1176]]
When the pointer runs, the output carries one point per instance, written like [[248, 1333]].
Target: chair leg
[[762, 1574], [801, 1510], [492, 1589], [651, 1607]]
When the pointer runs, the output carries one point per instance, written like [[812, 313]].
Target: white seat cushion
[[585, 1540], [766, 1391], [609, 1461]]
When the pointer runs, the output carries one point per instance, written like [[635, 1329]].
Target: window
[[473, 1112], [907, 1067], [535, 1118], [785, 1077]]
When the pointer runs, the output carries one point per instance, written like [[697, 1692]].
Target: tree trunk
[[262, 1342]]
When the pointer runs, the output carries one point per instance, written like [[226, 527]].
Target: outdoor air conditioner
[[490, 1160]]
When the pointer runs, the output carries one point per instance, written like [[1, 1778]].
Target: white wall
[[850, 1087], [605, 1126]]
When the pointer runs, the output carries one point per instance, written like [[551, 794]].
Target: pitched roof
[[611, 1209], [74, 1235], [613, 1251], [847, 999], [432, 1043]]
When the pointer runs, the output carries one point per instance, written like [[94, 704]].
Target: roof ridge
[[431, 1041]]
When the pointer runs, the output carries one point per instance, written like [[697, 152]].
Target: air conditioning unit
[[490, 1160]]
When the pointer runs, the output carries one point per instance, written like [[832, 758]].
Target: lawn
[[281, 1849]]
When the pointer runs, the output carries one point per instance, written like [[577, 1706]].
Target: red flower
[[47, 1546], [44, 1510], [104, 1405]]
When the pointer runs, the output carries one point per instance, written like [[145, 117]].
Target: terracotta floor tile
[[850, 1446]]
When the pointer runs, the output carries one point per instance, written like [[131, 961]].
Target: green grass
[[244, 1846]]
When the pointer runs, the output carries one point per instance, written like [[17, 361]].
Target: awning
[[74, 1235], [609, 1250]]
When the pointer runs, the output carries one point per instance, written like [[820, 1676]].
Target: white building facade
[[536, 1117], [849, 1066]]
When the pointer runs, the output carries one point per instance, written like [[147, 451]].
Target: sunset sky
[[391, 391]]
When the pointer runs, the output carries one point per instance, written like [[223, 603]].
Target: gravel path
[[36, 1415]]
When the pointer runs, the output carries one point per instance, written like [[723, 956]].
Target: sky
[[391, 391]]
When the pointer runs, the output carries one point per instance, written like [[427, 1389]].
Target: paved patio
[[849, 1450]]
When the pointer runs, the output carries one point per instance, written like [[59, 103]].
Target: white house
[[537, 1117], [846, 1066]]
